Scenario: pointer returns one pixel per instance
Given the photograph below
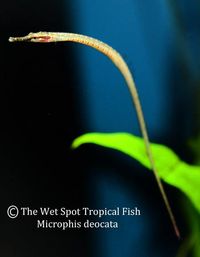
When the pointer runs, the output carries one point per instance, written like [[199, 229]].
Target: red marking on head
[[44, 39]]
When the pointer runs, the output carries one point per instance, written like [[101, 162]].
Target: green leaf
[[170, 168]]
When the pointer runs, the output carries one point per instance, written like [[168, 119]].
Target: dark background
[[51, 93]]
